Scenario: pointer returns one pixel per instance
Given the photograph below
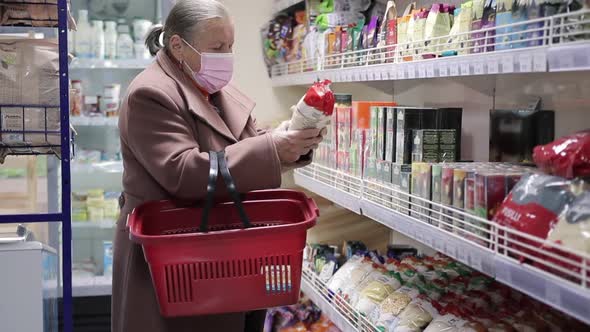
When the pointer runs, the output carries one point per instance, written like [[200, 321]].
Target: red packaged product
[[314, 110], [568, 156], [533, 208]]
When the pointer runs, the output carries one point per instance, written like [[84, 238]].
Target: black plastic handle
[[219, 164]]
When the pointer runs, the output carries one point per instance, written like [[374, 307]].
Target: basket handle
[[219, 164]]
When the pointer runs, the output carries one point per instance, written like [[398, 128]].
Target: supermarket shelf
[[343, 316], [92, 286], [504, 49], [556, 275], [282, 5], [131, 64], [85, 121]]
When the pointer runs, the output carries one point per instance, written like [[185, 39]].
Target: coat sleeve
[[165, 146]]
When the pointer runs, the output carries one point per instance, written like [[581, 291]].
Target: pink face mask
[[216, 70]]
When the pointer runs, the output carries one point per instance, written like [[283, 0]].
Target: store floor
[[91, 314]]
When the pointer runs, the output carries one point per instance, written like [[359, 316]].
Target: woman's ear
[[176, 46]]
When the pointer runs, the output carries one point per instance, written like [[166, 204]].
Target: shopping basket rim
[[310, 211]]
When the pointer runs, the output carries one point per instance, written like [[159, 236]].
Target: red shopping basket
[[222, 266]]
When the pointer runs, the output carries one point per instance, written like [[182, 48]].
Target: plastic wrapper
[[352, 291], [418, 314], [343, 275], [37, 15], [315, 109], [568, 156], [386, 312], [416, 263], [573, 226], [534, 205], [376, 291]]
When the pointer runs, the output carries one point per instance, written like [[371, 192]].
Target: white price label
[[443, 70], [454, 69], [462, 254], [465, 68], [422, 71], [364, 75], [540, 62], [391, 74], [552, 293], [401, 71], [476, 260], [503, 273], [439, 244], [478, 68], [525, 62], [451, 249], [411, 72], [508, 64], [430, 70], [419, 236], [428, 239], [493, 66]]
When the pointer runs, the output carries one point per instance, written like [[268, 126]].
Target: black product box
[[448, 140], [514, 133], [425, 145], [451, 118], [390, 136], [381, 132], [401, 175], [407, 119]]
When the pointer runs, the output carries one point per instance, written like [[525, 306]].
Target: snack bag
[[566, 157], [392, 306], [315, 109], [374, 292], [573, 227], [417, 315]]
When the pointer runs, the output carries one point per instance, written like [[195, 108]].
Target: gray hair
[[185, 18]]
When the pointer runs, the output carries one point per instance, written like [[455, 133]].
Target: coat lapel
[[235, 107]]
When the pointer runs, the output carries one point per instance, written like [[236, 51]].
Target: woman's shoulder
[[155, 82]]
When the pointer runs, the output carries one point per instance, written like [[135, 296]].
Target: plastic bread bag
[[315, 109], [573, 226], [386, 312], [568, 156], [373, 293], [533, 206], [343, 275]]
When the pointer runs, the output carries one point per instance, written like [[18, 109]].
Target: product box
[[425, 145], [451, 118], [447, 139], [400, 177], [421, 187], [381, 133], [407, 119], [469, 204], [374, 126], [436, 185], [390, 126], [459, 175], [107, 258], [514, 133], [447, 172], [344, 129], [362, 112]]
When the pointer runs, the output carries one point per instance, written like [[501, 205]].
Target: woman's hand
[[292, 144]]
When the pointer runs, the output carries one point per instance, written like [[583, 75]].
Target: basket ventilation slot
[[277, 272]]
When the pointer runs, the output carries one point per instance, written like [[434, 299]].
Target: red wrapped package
[[315, 109], [568, 156]]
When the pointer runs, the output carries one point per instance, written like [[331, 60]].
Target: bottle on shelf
[[98, 39], [83, 44], [110, 40], [124, 43]]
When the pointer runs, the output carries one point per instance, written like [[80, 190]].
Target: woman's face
[[214, 36]]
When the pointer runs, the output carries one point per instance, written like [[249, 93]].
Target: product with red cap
[[315, 109], [568, 156]]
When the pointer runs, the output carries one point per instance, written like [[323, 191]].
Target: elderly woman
[[176, 111]]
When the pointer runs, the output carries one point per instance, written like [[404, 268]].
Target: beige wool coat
[[167, 128]]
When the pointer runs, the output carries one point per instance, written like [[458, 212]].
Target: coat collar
[[235, 106]]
